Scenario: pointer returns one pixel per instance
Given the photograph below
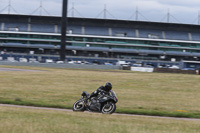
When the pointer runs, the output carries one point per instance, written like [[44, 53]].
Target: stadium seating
[[123, 32], [178, 53], [151, 52], [87, 48], [148, 33], [124, 50], [9, 26], [49, 28], [195, 54], [177, 35], [73, 29], [104, 31], [195, 36]]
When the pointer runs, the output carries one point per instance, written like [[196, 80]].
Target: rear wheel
[[79, 106], [108, 108]]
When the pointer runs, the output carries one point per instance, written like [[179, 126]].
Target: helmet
[[108, 86]]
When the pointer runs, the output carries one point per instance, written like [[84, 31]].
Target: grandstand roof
[[99, 22]]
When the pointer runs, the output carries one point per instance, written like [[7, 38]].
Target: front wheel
[[79, 106], [108, 108]]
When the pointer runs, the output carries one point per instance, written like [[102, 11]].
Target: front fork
[[85, 101]]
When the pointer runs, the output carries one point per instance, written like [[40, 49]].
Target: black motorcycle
[[104, 103]]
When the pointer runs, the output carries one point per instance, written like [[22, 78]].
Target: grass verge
[[122, 111], [174, 95], [20, 120]]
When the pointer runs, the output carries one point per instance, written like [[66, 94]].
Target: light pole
[[63, 30]]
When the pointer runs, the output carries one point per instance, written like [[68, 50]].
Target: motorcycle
[[103, 103]]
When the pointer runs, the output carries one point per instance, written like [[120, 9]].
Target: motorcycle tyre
[[111, 111], [81, 109]]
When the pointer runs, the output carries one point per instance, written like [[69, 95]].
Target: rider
[[105, 89]]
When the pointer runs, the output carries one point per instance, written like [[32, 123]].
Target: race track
[[117, 114], [14, 69]]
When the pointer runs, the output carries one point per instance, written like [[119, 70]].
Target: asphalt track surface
[[115, 114], [13, 69]]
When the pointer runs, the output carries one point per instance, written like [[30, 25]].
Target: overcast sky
[[181, 11]]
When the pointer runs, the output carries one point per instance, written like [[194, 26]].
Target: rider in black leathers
[[102, 89]]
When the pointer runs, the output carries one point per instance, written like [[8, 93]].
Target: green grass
[[21, 120], [175, 95]]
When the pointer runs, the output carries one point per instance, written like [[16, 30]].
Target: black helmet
[[108, 86]]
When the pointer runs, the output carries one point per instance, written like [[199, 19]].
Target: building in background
[[105, 38]]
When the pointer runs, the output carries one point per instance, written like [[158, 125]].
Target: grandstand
[[105, 38]]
